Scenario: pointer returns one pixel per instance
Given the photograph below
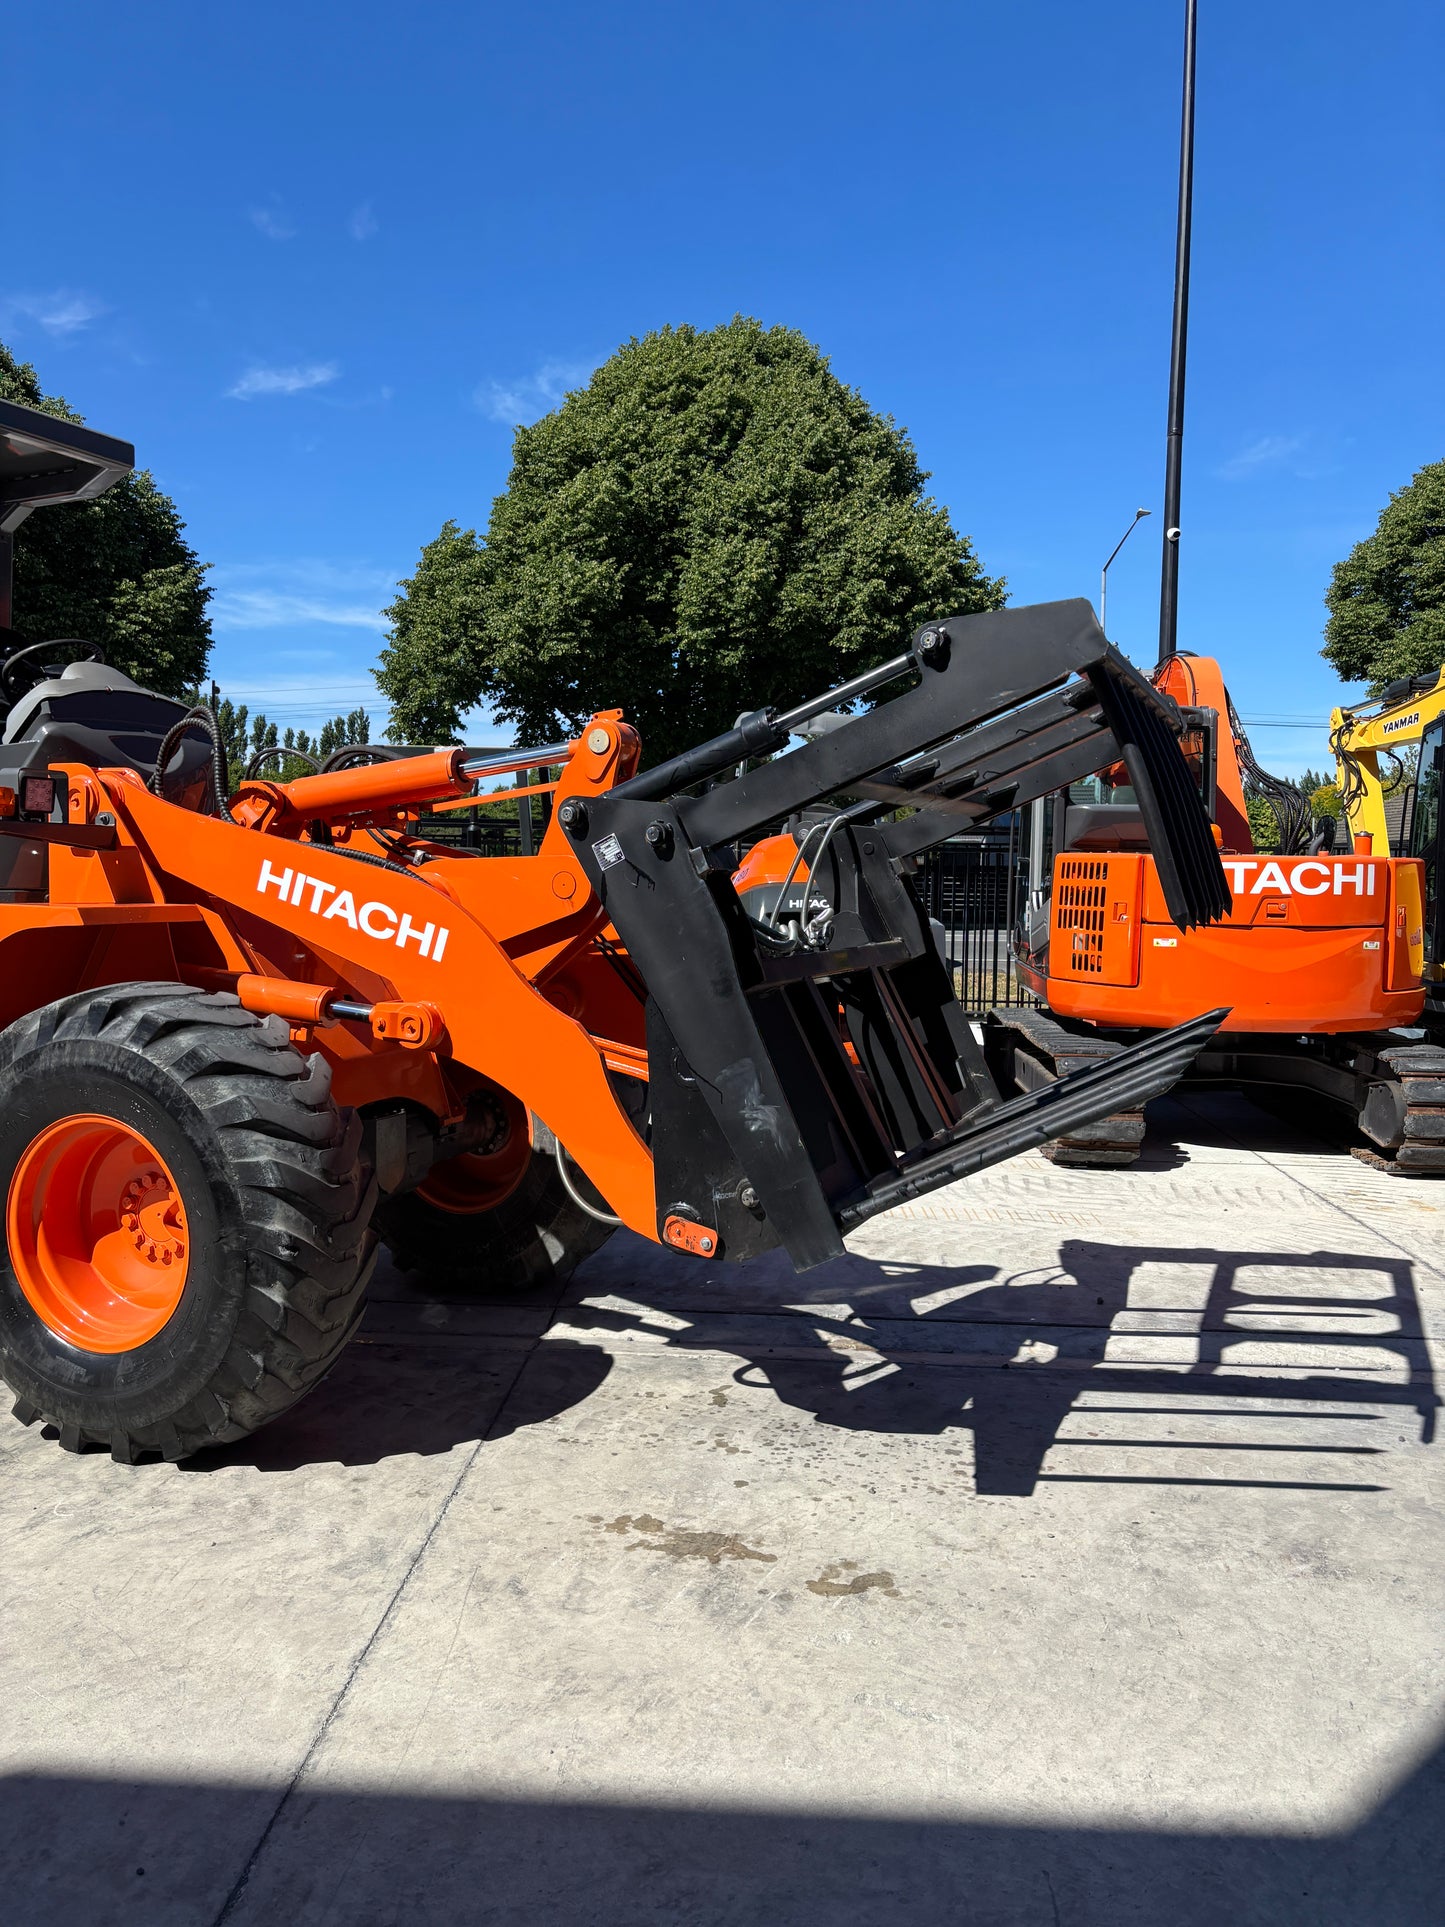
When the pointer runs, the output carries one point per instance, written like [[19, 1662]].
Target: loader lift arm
[[793, 1083]]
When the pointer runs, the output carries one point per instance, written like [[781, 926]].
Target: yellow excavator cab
[[1364, 742]]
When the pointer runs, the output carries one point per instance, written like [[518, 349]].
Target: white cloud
[[273, 221], [272, 609], [284, 595], [361, 223], [60, 313], [282, 381], [1270, 451], [531, 395]]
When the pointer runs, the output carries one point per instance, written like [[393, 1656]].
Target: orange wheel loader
[[1325, 960], [244, 1037]]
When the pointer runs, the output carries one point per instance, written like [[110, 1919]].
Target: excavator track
[[1405, 1113], [1026, 1050]]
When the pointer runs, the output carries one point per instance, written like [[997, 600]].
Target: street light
[[1174, 439], [1139, 515]]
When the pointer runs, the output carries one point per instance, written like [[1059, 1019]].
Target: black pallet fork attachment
[[805, 1076]]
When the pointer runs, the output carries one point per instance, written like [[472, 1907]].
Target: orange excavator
[[244, 1036], [1322, 958]]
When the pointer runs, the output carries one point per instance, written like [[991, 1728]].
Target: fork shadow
[[898, 1348], [923, 1350]]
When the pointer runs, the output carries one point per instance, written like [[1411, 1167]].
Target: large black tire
[[276, 1197], [534, 1239]]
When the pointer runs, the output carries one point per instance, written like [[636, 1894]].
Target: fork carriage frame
[[794, 1094]]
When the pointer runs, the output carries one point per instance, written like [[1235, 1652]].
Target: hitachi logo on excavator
[[374, 919], [1308, 878]]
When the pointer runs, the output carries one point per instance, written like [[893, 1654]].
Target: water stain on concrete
[[831, 1583], [677, 1542], [719, 1396]]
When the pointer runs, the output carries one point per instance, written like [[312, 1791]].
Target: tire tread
[[306, 1197]]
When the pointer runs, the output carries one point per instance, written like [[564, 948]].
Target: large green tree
[[117, 571], [713, 523], [1387, 598]]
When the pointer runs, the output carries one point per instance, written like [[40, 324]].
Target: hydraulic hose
[[263, 756], [199, 717], [602, 1217]]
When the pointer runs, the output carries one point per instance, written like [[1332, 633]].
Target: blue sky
[[316, 260]]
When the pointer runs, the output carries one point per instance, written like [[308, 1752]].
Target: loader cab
[[59, 700], [46, 460]]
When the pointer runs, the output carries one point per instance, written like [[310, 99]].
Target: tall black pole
[[1174, 440]]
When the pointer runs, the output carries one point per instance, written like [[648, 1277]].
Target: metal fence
[[471, 830], [973, 886]]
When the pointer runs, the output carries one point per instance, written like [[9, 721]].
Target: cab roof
[[45, 459]]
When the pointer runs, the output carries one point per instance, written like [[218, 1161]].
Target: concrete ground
[[1071, 1553]]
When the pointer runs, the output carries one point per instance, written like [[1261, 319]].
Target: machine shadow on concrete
[[386, 1398], [1006, 1360], [953, 1370], [162, 1854], [1005, 1357]]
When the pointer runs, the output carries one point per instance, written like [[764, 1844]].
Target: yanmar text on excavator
[[243, 1037]]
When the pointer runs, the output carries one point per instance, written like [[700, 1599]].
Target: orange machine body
[[514, 951], [1324, 943], [1313, 943]]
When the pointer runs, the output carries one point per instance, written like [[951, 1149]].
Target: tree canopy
[[1387, 598], [713, 523], [117, 571]]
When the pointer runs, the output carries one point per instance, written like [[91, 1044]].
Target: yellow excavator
[[1365, 742]]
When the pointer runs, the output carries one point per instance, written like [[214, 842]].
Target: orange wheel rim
[[97, 1233], [478, 1181]]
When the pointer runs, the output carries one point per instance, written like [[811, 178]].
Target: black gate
[[975, 888]]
